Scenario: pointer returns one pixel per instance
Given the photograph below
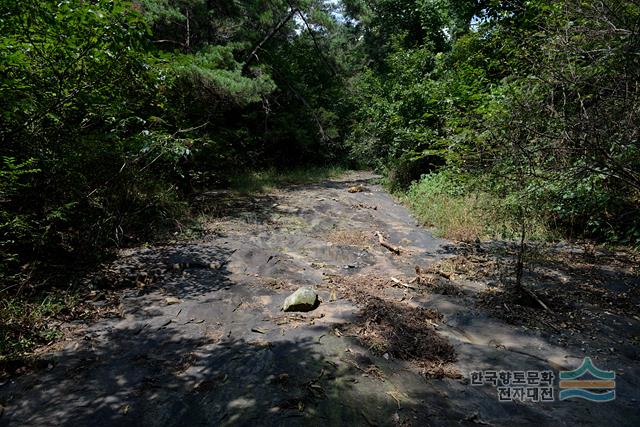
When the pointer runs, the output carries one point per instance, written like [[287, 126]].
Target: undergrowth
[[459, 211], [28, 322]]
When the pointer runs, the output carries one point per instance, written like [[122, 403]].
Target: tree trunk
[[521, 250], [268, 37]]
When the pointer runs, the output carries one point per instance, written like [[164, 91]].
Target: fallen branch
[[406, 285], [387, 245], [535, 297]]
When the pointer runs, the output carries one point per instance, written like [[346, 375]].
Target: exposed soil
[[195, 334]]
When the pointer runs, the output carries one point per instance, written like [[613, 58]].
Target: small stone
[[172, 300], [304, 299]]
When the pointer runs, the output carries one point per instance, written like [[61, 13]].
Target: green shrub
[[459, 210], [27, 323], [402, 172]]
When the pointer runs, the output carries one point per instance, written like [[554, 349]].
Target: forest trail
[[201, 339]]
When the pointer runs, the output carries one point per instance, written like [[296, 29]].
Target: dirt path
[[201, 339]]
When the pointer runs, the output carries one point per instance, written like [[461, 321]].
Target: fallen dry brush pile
[[396, 329], [405, 333]]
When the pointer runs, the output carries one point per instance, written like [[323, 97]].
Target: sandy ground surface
[[199, 339]]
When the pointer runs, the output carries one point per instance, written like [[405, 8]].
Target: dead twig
[[406, 285], [535, 297], [386, 245]]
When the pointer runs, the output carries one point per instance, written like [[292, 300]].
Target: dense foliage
[[535, 102]]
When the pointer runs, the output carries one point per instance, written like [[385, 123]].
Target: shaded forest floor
[[192, 333]]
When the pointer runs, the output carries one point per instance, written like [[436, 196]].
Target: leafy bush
[[459, 209], [73, 78], [27, 323]]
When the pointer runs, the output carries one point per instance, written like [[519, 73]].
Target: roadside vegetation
[[462, 210], [31, 323]]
